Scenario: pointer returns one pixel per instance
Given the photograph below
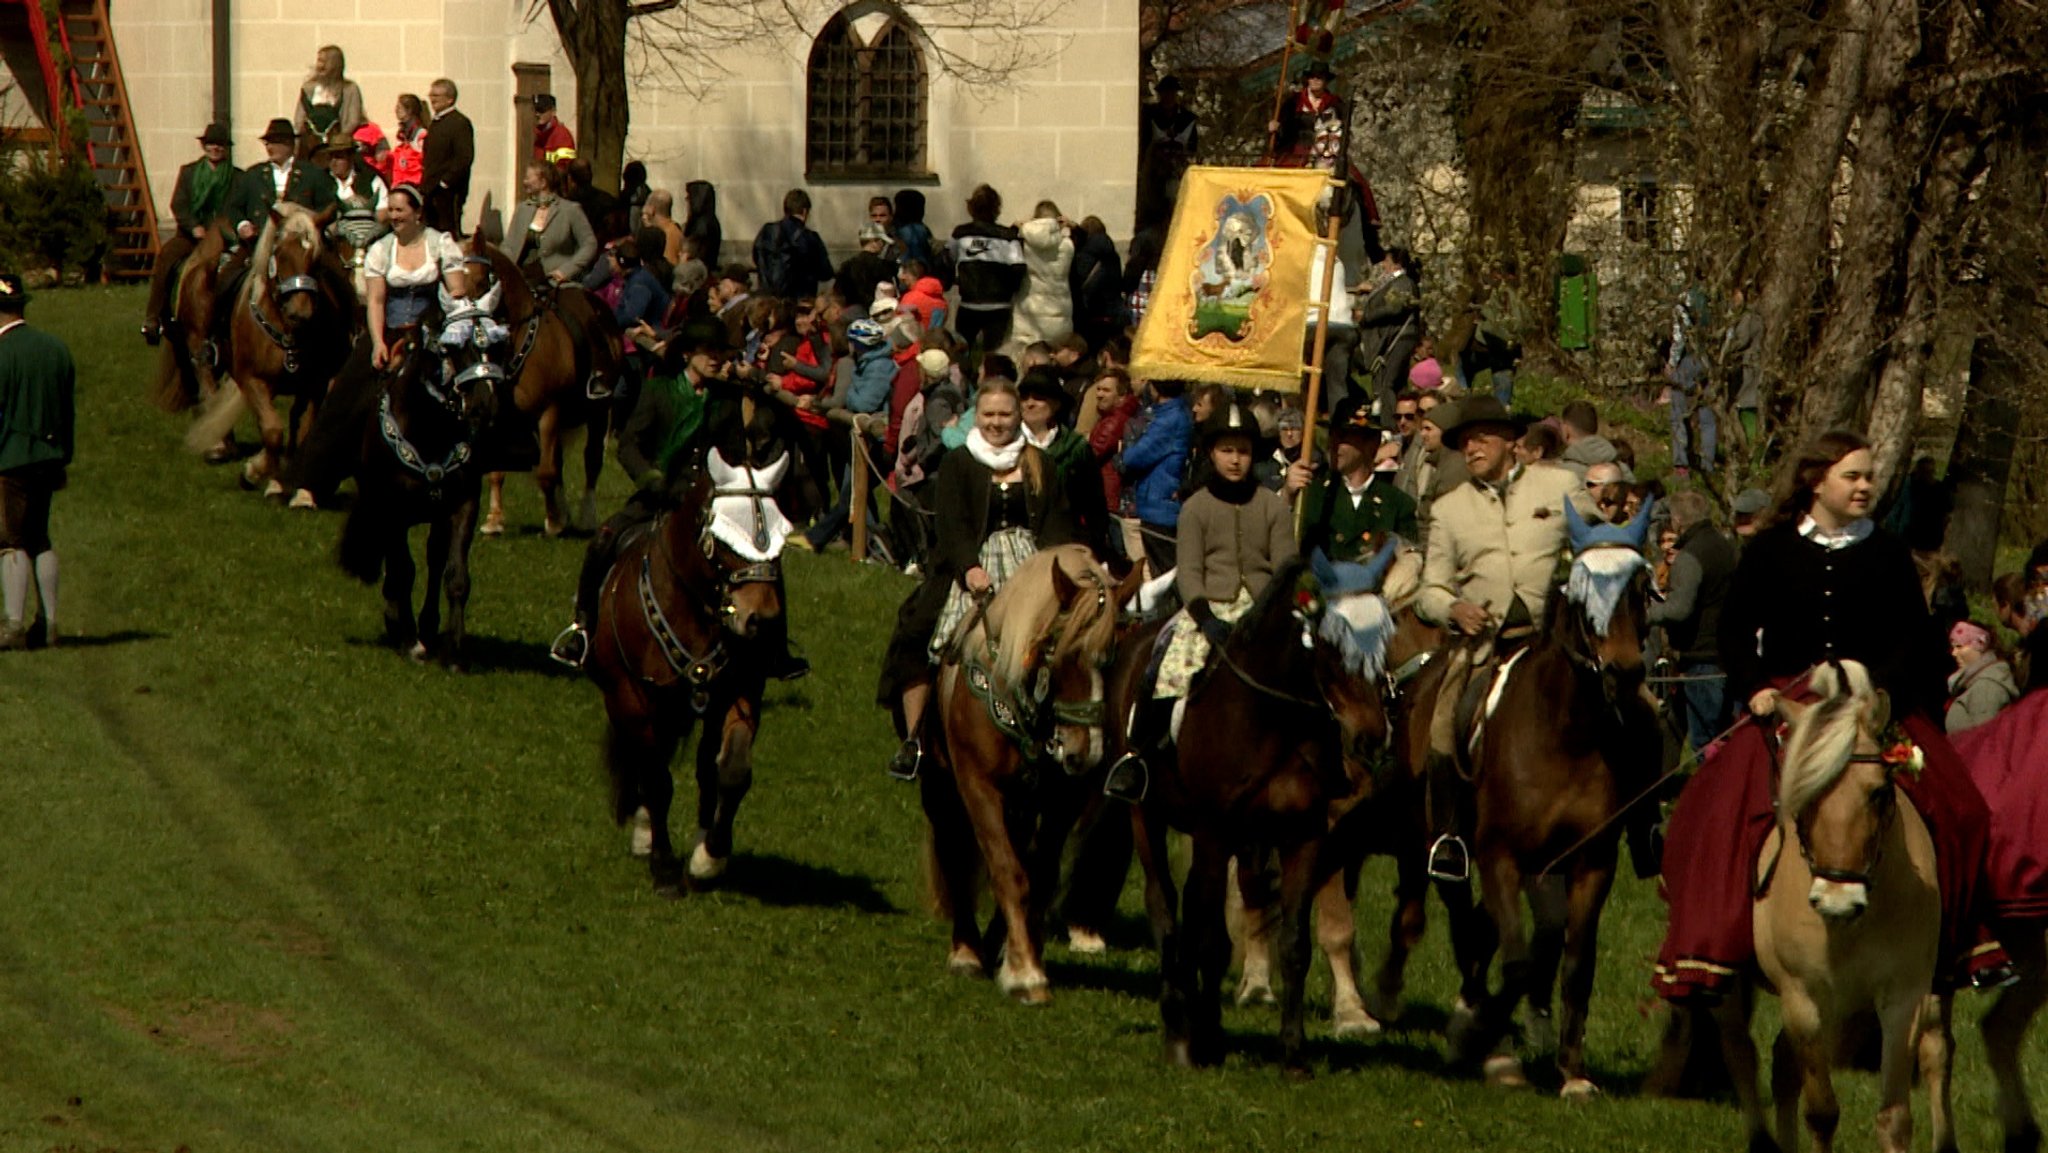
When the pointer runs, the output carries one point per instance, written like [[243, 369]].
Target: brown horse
[[1020, 704], [550, 370], [1566, 743], [1848, 923], [288, 333], [2004, 1026], [1275, 745], [673, 643]]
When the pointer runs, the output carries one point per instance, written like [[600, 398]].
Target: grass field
[[266, 885]]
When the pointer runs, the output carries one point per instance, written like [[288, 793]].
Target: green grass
[[268, 886]]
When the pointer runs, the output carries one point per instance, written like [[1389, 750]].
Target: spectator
[[1289, 430], [408, 143], [1583, 444], [1152, 469], [327, 100], [924, 297], [806, 373], [1340, 335], [552, 141], [1749, 507], [37, 383], [1983, 682], [1141, 262], [1742, 359], [1169, 135], [912, 233], [446, 160], [1608, 485], [660, 214], [633, 193], [1407, 418], [375, 150], [1495, 350], [643, 297], [1096, 280], [788, 254], [988, 263], [1390, 325], [1919, 513], [1114, 405], [1044, 307], [1540, 444], [700, 223], [866, 269], [1685, 372], [1690, 613], [882, 214], [729, 295], [1427, 372], [606, 215]]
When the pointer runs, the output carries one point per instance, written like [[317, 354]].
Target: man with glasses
[[1608, 486]]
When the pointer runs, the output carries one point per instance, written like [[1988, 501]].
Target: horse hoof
[[1504, 1071], [553, 529], [1578, 1089], [1259, 994], [1350, 1023], [1023, 990], [418, 652], [704, 866], [1179, 1053], [964, 962], [1298, 1074], [1086, 942], [671, 890], [304, 499], [1542, 1032], [1035, 996], [494, 525], [643, 833], [272, 490]]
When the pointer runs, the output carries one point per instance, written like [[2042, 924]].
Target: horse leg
[[263, 467], [1501, 889], [2004, 1027], [304, 410], [1899, 1019], [593, 466], [1405, 928], [1787, 1075], [726, 770], [1549, 911], [1806, 1034], [1020, 974], [1248, 915], [548, 473], [462, 532], [953, 864], [494, 521], [430, 605], [400, 630], [1298, 886], [1337, 934], [1588, 897], [1148, 837], [1730, 1020], [1936, 1046], [652, 747], [1207, 955], [1474, 941]]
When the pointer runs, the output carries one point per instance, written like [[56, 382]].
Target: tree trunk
[[1982, 462], [593, 34]]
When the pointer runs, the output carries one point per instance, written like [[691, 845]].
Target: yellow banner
[[1231, 300]]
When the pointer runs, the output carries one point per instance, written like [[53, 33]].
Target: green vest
[[1351, 532]]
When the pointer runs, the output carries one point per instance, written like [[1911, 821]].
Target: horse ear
[[1063, 586], [326, 216], [1581, 533], [1129, 586], [1376, 569], [1639, 528], [1319, 564]]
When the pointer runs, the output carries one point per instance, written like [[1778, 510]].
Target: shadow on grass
[[486, 654], [124, 637], [1104, 977], [780, 882]]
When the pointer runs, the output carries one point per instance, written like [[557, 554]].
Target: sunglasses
[[1404, 416]]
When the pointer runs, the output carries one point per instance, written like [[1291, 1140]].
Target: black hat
[[217, 133], [1230, 419], [13, 293], [1318, 68], [701, 335], [543, 102], [1167, 84], [1043, 381], [1353, 417], [1475, 412], [280, 132]]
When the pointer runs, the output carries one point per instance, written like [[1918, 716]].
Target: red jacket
[[909, 383], [1105, 440], [408, 163], [552, 144], [926, 300], [797, 384]]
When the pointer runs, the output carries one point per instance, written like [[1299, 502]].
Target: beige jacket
[[1224, 547], [1490, 550]]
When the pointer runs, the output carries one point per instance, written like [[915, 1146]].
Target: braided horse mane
[[288, 220], [1823, 738], [1028, 607]]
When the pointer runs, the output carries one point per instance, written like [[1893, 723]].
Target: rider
[[361, 194], [678, 421], [1821, 583], [1349, 512], [200, 197], [1233, 535], [277, 179], [995, 502], [1492, 557]]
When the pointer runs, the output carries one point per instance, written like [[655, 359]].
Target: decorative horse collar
[[410, 456]]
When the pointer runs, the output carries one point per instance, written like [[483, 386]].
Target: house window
[[866, 102], [1640, 218]]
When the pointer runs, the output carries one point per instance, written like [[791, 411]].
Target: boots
[[1129, 779], [778, 661], [572, 645], [1450, 859]]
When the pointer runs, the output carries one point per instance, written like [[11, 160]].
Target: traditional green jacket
[[37, 381], [1350, 531]]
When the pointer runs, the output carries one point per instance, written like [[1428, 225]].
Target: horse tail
[[619, 756], [176, 388], [363, 536], [217, 419]]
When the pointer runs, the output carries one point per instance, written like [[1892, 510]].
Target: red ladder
[[95, 87]]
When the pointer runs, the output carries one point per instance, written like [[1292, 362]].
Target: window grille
[[866, 106]]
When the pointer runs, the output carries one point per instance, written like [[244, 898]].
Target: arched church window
[[865, 112]]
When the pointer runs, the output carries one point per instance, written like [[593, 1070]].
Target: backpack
[[771, 259]]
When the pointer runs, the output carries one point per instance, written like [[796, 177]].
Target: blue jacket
[[1154, 463], [642, 298], [874, 374]]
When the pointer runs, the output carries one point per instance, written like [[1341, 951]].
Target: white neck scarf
[[997, 460], [1051, 433]]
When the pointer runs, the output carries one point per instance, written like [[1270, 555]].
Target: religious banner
[[1231, 299]]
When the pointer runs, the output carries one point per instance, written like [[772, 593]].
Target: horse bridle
[[1023, 716], [1888, 813]]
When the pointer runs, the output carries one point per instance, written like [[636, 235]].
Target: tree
[[685, 45]]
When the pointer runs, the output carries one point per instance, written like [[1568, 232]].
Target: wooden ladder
[[98, 91]]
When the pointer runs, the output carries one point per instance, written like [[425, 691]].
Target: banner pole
[[1280, 90], [1312, 394]]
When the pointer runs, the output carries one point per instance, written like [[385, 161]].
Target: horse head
[[1053, 630], [1836, 793], [468, 342], [286, 260], [742, 532], [1607, 600], [1347, 628], [493, 277]]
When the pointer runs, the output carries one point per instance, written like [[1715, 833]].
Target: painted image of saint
[[1231, 274]]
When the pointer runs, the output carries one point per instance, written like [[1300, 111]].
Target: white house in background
[[1064, 128]]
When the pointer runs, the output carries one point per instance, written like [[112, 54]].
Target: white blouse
[[443, 256]]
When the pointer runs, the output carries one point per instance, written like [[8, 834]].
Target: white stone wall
[[1063, 128]]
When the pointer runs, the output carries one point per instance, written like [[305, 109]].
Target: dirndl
[[1003, 553], [1187, 650]]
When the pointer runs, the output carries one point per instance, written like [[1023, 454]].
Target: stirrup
[[1128, 780], [596, 389], [907, 761], [1449, 859], [152, 334], [571, 646]]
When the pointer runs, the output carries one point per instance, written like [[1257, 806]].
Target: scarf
[[1232, 491], [210, 189], [1041, 444], [996, 460], [688, 405]]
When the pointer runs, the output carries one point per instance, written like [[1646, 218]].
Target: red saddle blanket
[[2008, 759]]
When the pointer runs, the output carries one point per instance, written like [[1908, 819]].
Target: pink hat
[[1426, 375], [1968, 635]]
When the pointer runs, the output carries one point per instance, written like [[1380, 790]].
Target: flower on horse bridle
[[1899, 752]]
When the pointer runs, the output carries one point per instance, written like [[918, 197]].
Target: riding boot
[[1450, 859], [572, 645], [777, 661], [1130, 778]]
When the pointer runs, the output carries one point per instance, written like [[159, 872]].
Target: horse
[[1846, 923], [1552, 766], [1275, 746], [2004, 1027], [672, 642], [550, 371], [289, 332], [417, 465], [185, 376], [1021, 713]]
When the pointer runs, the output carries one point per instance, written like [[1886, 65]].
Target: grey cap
[[1751, 501], [873, 231]]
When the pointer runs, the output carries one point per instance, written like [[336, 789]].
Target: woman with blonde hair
[[327, 100]]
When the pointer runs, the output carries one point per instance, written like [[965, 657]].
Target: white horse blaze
[[1838, 899]]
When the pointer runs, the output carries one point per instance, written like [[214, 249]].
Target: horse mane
[[1824, 736], [1600, 580], [1028, 605], [289, 220], [517, 299]]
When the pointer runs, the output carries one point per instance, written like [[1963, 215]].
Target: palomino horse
[[673, 643], [288, 334], [1848, 922], [1021, 707], [1553, 766], [417, 465], [1274, 746], [550, 370]]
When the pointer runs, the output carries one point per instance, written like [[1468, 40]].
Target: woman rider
[[1823, 582], [995, 502], [1233, 535]]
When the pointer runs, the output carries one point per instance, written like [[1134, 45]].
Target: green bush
[[52, 213]]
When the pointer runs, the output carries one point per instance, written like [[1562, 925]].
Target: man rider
[[1354, 508], [675, 425], [199, 198]]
